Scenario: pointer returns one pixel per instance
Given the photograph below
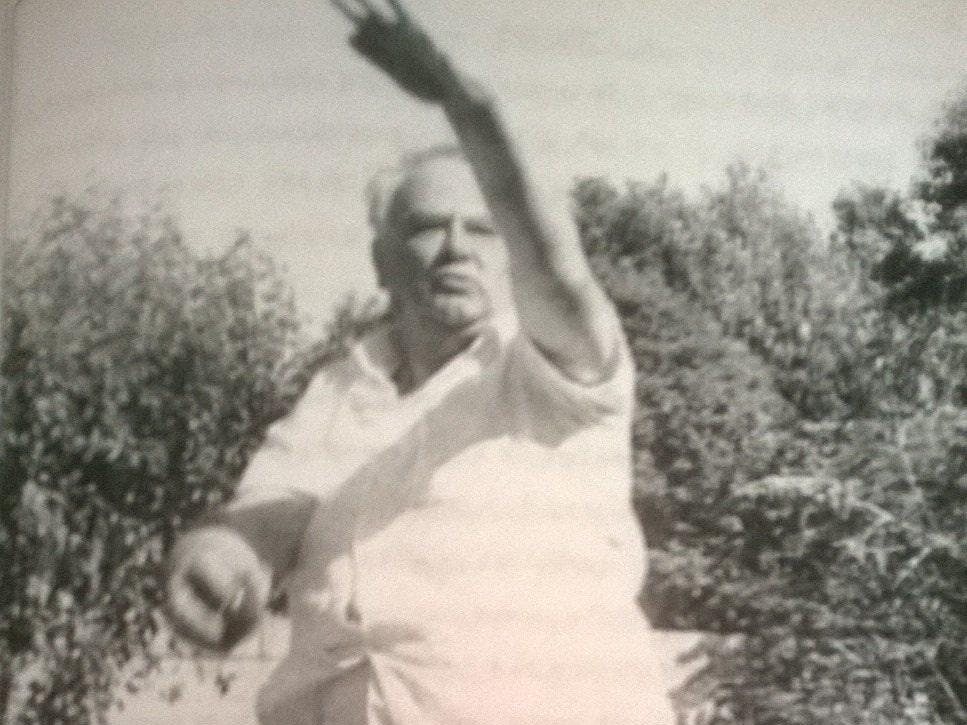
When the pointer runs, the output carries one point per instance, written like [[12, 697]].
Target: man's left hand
[[393, 42]]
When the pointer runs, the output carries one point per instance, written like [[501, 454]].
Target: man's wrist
[[463, 94], [214, 538]]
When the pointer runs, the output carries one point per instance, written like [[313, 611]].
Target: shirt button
[[361, 407], [353, 614]]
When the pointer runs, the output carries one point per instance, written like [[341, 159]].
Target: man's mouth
[[453, 279]]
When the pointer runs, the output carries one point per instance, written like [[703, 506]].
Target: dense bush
[[800, 445], [136, 379], [708, 420], [944, 182]]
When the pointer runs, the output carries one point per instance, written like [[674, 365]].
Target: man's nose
[[457, 240]]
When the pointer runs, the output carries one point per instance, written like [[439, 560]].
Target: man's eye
[[480, 229], [423, 228]]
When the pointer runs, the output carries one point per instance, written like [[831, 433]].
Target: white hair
[[383, 188]]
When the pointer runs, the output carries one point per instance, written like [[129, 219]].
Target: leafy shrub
[[708, 419], [799, 445], [136, 379]]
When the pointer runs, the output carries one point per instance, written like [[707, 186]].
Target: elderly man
[[447, 507]]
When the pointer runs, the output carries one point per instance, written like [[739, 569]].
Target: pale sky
[[256, 114]]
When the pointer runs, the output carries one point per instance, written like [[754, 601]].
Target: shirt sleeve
[[292, 460], [553, 406]]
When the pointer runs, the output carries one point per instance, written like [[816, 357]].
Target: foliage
[[896, 276], [945, 173], [799, 442], [928, 269], [848, 583], [137, 378], [708, 420]]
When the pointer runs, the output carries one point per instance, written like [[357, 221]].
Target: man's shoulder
[[330, 365], [550, 385], [326, 370], [309, 378]]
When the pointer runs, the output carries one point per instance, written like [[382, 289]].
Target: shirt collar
[[377, 356]]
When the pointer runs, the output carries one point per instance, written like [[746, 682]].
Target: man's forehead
[[441, 186]]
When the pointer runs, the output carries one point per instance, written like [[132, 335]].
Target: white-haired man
[[448, 506]]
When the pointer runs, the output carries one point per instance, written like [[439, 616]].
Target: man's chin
[[461, 317]]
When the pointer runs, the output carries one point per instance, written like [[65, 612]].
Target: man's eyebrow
[[477, 223], [418, 219]]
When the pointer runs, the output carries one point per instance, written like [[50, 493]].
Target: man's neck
[[424, 349]]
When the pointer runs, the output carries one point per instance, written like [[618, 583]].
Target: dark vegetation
[[802, 434]]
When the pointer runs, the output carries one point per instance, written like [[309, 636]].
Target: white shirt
[[474, 542]]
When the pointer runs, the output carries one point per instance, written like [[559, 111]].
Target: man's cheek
[[409, 274], [498, 266]]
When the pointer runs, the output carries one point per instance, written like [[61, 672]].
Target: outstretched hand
[[216, 588], [392, 41]]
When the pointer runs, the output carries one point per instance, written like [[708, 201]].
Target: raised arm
[[561, 307]]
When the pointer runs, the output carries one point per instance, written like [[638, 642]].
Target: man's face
[[442, 255]]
